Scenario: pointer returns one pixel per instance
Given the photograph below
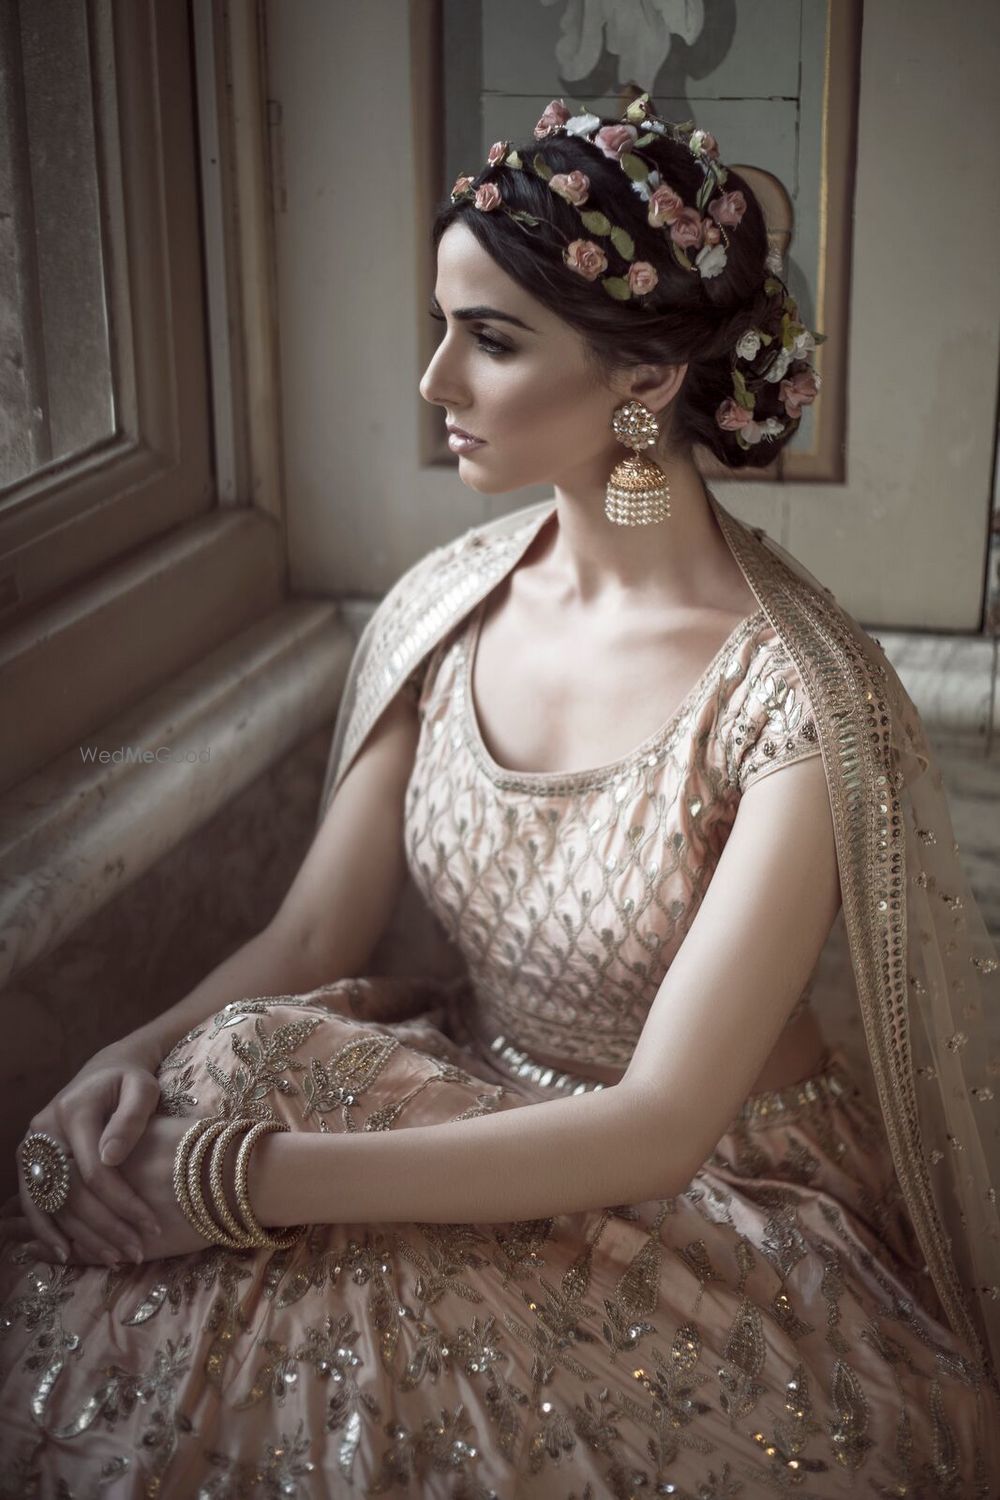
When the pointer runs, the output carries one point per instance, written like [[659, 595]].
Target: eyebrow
[[482, 315]]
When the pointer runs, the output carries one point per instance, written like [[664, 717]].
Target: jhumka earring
[[638, 493]]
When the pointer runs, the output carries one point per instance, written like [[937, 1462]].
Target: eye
[[490, 346]]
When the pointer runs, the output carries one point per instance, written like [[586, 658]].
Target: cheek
[[555, 407]]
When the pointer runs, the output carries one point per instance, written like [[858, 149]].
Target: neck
[[681, 562]]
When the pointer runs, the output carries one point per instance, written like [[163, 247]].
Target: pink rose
[[462, 184], [614, 139], [642, 277], [552, 116], [728, 208], [801, 390], [573, 186], [488, 197], [497, 152], [731, 416], [686, 228], [664, 206], [586, 258], [712, 232]]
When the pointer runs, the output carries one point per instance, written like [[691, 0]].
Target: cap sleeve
[[769, 721]]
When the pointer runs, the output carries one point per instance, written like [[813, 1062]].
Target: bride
[[304, 1234]]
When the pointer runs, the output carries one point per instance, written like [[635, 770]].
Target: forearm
[[269, 963], [587, 1151]]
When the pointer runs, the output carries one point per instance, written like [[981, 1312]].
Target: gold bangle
[[185, 1181], [211, 1230], [263, 1237], [217, 1188], [181, 1192]]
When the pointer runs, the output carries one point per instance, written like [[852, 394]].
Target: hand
[[99, 1116], [148, 1174]]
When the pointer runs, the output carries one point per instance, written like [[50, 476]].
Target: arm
[[715, 1019], [338, 904], [332, 916]]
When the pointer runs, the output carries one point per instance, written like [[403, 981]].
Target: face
[[527, 391]]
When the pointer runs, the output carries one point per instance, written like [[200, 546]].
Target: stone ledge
[[76, 832]]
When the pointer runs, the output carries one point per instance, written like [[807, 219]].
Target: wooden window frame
[[125, 566]]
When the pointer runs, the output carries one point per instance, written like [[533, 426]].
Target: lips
[[456, 431]]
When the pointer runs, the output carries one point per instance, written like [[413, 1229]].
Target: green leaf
[[633, 166], [765, 338], [596, 223], [743, 396], [680, 257], [513, 160], [623, 243], [742, 440], [772, 287], [522, 217], [542, 168], [820, 338], [647, 139], [617, 286], [636, 111], [704, 193]]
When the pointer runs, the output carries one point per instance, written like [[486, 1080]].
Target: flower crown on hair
[[688, 229]]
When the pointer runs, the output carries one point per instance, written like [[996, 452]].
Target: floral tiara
[[697, 230]]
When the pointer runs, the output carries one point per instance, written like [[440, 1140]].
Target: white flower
[[774, 261], [804, 345], [582, 124], [779, 368], [748, 345], [696, 140], [711, 260], [646, 187], [656, 126], [770, 428]]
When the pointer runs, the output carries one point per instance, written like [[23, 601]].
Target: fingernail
[[60, 1253], [111, 1153], [135, 1252], [109, 1258], [151, 1227]]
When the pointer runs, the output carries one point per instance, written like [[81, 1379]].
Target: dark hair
[[686, 318]]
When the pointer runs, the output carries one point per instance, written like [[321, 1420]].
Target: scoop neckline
[[588, 775]]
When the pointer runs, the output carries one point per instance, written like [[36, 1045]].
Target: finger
[[106, 1183], [139, 1096], [44, 1227], [104, 1227], [40, 1252], [90, 1246]]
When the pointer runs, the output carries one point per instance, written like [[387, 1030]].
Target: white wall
[[901, 543]]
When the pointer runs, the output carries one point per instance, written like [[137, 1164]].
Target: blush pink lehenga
[[771, 1330]]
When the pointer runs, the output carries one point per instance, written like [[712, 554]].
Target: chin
[[485, 483]]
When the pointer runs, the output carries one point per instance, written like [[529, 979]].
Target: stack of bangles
[[226, 1230]]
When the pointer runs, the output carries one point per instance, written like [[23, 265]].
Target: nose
[[439, 383]]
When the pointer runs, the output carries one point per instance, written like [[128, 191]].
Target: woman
[[722, 1260]]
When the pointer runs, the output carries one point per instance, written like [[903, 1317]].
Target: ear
[[655, 385]]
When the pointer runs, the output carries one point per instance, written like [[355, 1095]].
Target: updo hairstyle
[[686, 318]]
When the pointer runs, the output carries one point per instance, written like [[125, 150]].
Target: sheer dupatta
[[926, 970]]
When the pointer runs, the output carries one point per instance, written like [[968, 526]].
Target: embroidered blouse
[[568, 894]]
